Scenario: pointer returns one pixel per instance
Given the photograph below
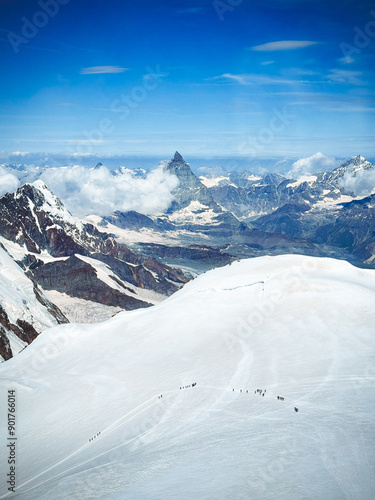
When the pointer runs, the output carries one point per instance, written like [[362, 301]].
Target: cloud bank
[[318, 162], [99, 191], [8, 181], [363, 184]]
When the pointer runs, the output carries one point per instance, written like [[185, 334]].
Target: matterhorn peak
[[177, 157]]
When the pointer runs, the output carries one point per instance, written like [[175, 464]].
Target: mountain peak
[[357, 159], [177, 157]]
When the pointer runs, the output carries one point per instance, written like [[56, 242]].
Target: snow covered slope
[[109, 411], [24, 310]]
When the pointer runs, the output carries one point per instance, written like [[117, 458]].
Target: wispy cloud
[[254, 79], [94, 70], [346, 60], [283, 45], [345, 76], [241, 79]]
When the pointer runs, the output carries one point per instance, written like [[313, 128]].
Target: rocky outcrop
[[79, 279]]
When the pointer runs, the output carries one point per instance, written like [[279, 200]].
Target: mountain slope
[[52, 245], [24, 310], [119, 406]]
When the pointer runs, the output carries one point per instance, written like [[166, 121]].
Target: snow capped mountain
[[249, 197], [24, 310], [72, 259], [190, 188], [120, 406], [328, 213], [351, 167], [35, 219]]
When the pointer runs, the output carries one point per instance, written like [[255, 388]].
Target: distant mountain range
[[216, 219], [88, 270]]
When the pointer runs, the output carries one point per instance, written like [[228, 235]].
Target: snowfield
[[108, 411]]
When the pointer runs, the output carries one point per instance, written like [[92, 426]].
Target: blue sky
[[253, 78]]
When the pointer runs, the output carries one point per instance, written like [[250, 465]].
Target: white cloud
[[345, 76], [94, 70], [283, 45], [98, 191], [242, 79], [254, 79], [87, 191], [318, 162], [362, 184], [19, 153], [346, 60], [8, 182]]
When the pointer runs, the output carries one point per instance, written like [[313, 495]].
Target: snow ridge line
[[233, 288]]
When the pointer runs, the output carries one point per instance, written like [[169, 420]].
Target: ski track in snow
[[233, 288]]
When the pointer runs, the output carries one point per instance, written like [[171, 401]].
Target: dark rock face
[[5, 350], [24, 330], [285, 220], [78, 279], [203, 256], [136, 221], [51, 308]]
